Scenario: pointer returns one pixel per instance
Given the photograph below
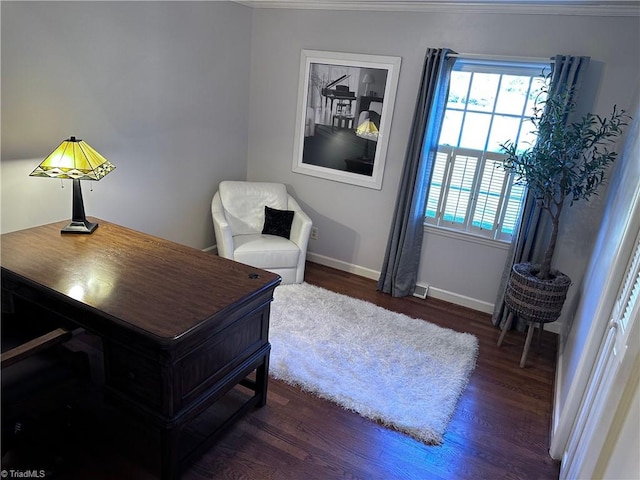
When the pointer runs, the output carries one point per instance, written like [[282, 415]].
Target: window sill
[[466, 237]]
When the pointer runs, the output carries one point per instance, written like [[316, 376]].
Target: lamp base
[[79, 222], [80, 227]]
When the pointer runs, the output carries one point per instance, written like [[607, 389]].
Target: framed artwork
[[345, 106]]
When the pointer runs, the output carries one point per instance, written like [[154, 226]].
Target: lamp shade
[[368, 78], [74, 159], [368, 130]]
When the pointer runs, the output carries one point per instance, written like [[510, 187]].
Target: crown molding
[[606, 8]]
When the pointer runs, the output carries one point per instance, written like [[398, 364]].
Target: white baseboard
[[211, 249], [555, 327], [344, 266], [461, 300], [557, 404], [432, 292]]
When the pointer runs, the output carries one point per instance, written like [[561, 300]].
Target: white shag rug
[[405, 373]]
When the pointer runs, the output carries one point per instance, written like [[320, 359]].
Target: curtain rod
[[504, 58]]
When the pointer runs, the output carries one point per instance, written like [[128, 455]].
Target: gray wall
[[354, 221], [181, 95], [159, 88]]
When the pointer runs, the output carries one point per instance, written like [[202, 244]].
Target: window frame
[[532, 69]]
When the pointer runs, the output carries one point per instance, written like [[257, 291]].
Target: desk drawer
[[205, 368], [133, 376]]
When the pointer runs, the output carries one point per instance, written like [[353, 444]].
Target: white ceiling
[[559, 7]]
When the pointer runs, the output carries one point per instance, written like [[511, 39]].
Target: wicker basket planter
[[533, 299]]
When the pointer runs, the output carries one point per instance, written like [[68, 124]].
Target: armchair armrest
[[222, 229], [301, 225]]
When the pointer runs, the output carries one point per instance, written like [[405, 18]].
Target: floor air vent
[[421, 291]]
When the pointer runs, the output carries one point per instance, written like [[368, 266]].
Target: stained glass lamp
[[76, 160], [368, 131]]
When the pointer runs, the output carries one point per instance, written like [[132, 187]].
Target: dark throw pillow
[[277, 222]]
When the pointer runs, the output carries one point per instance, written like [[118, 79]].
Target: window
[[489, 103]]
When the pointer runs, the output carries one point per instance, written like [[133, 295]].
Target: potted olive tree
[[568, 163]]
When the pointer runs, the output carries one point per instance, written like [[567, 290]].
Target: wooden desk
[[180, 327]]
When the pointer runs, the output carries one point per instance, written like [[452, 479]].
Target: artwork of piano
[[345, 103], [340, 92]]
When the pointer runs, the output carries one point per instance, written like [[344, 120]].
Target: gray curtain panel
[[402, 257], [533, 229]]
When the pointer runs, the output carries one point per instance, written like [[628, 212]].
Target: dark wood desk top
[[157, 287]]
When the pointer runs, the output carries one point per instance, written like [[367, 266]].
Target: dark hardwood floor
[[500, 429], [329, 147]]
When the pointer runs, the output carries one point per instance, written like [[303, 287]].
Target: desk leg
[[262, 381], [170, 461]]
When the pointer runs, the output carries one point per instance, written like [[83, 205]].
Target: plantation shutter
[[630, 292], [460, 184], [515, 195], [488, 202], [435, 190]]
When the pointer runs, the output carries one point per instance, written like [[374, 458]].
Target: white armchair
[[238, 211], [372, 113]]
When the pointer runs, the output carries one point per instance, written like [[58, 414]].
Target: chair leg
[[34, 346], [505, 328], [527, 344]]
